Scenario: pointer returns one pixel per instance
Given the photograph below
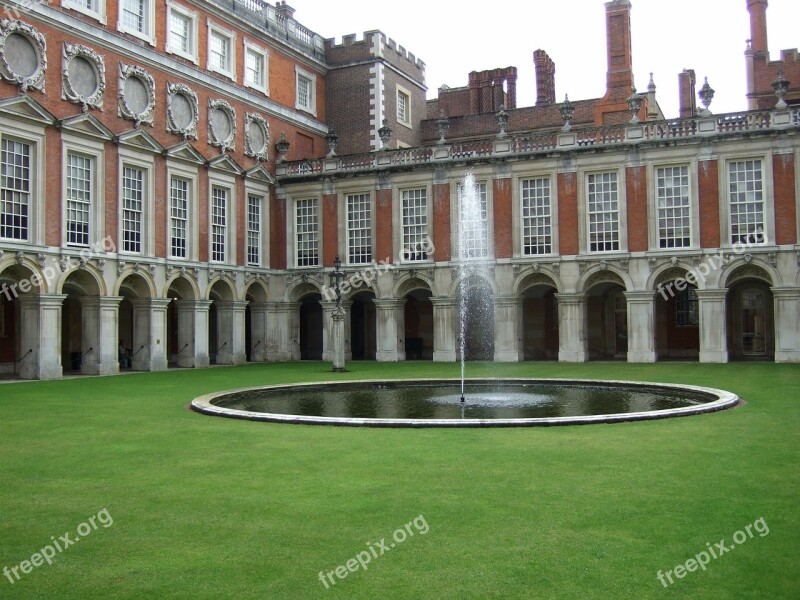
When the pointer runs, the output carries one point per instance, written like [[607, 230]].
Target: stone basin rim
[[724, 399]]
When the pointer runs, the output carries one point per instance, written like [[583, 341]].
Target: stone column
[[230, 332], [507, 329], [572, 328], [148, 347], [444, 334], [40, 338], [327, 332], [281, 345], [787, 324], [390, 330], [193, 333], [100, 318], [641, 327], [337, 341], [713, 328], [259, 340]]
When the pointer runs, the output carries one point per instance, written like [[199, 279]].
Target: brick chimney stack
[[687, 97], [619, 77], [284, 10], [545, 78], [758, 25]]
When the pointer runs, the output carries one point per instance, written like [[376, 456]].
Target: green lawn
[[207, 507]]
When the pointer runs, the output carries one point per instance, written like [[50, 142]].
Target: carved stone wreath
[[83, 77], [23, 55], [221, 124], [256, 136], [182, 111], [137, 95]]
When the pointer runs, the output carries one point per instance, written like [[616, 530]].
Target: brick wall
[[708, 184], [784, 186]]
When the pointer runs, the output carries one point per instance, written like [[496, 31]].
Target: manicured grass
[[216, 508]]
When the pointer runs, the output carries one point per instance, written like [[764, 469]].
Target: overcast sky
[[456, 37]]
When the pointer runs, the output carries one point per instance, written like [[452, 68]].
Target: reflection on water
[[483, 400]]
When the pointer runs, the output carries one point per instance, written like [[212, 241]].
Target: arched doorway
[[12, 352], [133, 327], [311, 327], [607, 322], [677, 317], [362, 326], [476, 308], [221, 324], [255, 318], [78, 351], [181, 324], [750, 316], [418, 312], [539, 319]]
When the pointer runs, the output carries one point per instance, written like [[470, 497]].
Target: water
[[472, 247], [482, 400]]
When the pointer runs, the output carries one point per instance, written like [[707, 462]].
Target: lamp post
[[336, 277]]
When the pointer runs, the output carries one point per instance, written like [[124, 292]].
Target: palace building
[[177, 178]]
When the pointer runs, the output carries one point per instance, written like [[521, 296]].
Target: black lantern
[[336, 277]]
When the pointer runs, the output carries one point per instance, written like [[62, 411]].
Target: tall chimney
[[758, 25], [619, 77], [545, 78], [284, 10], [686, 91]]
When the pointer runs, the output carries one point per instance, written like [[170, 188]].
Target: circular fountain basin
[[487, 402]]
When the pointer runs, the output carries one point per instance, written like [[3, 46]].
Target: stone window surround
[[422, 181], [75, 144], [191, 130], [99, 14], [312, 93], [596, 168], [146, 162], [213, 28], [249, 150], [409, 119], [249, 46], [125, 72], [181, 170], [149, 35], [680, 159], [516, 213], [228, 143], [95, 100], [343, 191], [36, 81], [455, 215], [191, 15], [253, 188], [228, 182]]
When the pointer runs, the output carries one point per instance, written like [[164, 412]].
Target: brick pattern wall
[[636, 197], [784, 184], [441, 221], [330, 229], [568, 214], [503, 218], [708, 184], [383, 224]]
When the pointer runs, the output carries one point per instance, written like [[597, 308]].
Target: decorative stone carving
[[604, 277], [121, 267], [182, 111], [23, 55], [64, 263], [83, 77], [20, 256], [221, 124], [538, 279], [256, 136], [749, 271], [137, 95], [40, 259], [671, 274]]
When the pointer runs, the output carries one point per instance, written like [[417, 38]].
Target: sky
[[456, 37]]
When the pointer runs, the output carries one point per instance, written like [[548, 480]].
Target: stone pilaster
[[40, 338], [390, 328], [507, 329], [713, 328], [572, 340], [444, 335], [641, 327], [787, 324], [100, 321]]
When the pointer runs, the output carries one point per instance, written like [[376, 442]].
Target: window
[[686, 308], [220, 51], [306, 91], [133, 186], [255, 67], [15, 189], [254, 204], [672, 189], [182, 32], [474, 226], [92, 8], [307, 233], [136, 17], [537, 217], [219, 223], [359, 229], [79, 198], [603, 197], [415, 225], [746, 195], [178, 216], [403, 106]]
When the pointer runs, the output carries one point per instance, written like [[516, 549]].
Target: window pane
[[179, 216], [672, 192], [603, 211], [537, 224], [746, 202], [219, 223], [415, 224], [307, 234], [475, 227], [15, 187], [79, 196], [254, 229], [359, 229], [132, 203]]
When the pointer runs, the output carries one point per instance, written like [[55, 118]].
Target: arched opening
[[677, 322], [311, 327], [133, 326], [362, 326], [540, 323], [419, 325], [220, 324], [12, 352], [750, 321], [255, 324], [77, 351], [476, 309], [607, 322], [180, 324]]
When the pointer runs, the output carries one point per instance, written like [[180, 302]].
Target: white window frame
[[622, 238], [312, 92], [254, 238], [149, 20], [318, 231], [182, 171], [35, 137], [552, 215], [214, 29], [192, 18], [406, 122], [251, 48], [750, 239], [145, 162], [254, 188], [99, 13], [402, 237], [345, 220], [218, 192], [72, 144], [657, 208], [455, 211], [228, 182]]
